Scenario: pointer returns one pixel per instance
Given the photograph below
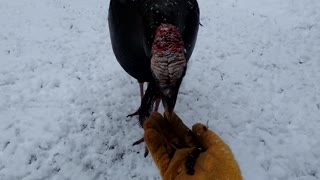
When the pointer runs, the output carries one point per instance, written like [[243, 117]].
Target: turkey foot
[[134, 114], [141, 96], [146, 151]]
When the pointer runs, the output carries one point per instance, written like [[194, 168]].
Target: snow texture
[[254, 77]]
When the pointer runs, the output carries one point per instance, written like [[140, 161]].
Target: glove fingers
[[157, 147], [178, 127], [159, 124], [206, 137], [154, 122]]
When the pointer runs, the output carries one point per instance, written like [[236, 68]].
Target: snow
[[254, 78]]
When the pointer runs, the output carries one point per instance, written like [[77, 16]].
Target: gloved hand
[[181, 153]]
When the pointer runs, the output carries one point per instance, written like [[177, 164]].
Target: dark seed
[[191, 160]]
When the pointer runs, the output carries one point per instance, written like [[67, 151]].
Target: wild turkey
[[153, 41]]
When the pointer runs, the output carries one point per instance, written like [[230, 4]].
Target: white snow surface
[[254, 78]]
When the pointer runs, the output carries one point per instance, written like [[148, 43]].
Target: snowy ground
[[254, 77]]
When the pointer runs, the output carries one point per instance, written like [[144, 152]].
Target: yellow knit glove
[[175, 150]]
